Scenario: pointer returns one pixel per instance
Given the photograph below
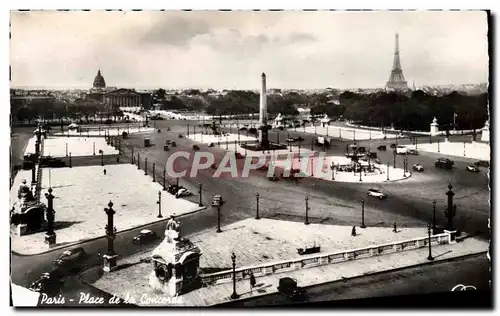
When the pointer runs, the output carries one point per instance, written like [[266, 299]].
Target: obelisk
[[263, 138]]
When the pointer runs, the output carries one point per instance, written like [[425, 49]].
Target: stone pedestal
[[434, 127], [485, 135], [110, 262], [453, 235], [176, 263], [22, 229], [50, 239]]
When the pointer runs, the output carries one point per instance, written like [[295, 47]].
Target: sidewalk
[[119, 282], [82, 193], [473, 150]]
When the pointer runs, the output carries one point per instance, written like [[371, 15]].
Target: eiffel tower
[[396, 80]]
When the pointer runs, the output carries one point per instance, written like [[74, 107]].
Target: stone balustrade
[[323, 259]]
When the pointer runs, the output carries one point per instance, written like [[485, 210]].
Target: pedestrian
[[353, 232], [252, 282], [104, 171], [395, 230]]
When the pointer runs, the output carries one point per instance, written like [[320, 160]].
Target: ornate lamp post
[[164, 188], [93, 149], [50, 236], [450, 209], [200, 192], [217, 202], [332, 167], [257, 198], [70, 165], [434, 216], [394, 154], [430, 258], [154, 173], [132, 156], [139, 161], [360, 171], [159, 205], [363, 214], [188, 130], [102, 157], [146, 166], [404, 167], [233, 259], [307, 211], [67, 150], [110, 257], [387, 171]]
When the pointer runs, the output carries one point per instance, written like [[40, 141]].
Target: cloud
[[175, 31]]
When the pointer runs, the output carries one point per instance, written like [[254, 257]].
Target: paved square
[[473, 150], [82, 193], [344, 132], [77, 146]]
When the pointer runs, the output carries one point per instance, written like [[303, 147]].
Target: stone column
[[50, 236], [110, 258]]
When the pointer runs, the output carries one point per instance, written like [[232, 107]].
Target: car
[[174, 144], [444, 163], [377, 193], [472, 168], [291, 140], [393, 146], [412, 152], [214, 166], [145, 236], [168, 142], [288, 287], [70, 257], [362, 149], [182, 192], [401, 150], [48, 283], [482, 163], [243, 128], [172, 189], [239, 156], [418, 167], [382, 147], [168, 129], [252, 130], [377, 161], [196, 147], [52, 162], [372, 155]]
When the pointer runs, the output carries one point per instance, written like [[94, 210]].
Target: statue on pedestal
[[27, 211], [175, 262]]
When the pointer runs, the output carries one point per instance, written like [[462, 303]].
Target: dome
[[99, 80]]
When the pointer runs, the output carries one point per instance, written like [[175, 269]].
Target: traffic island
[[271, 253], [80, 195]]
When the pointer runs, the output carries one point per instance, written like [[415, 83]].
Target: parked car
[[377, 193], [48, 283], [173, 144], [472, 168], [444, 163], [418, 167], [196, 147], [145, 236], [168, 142], [482, 163], [393, 146], [412, 152], [382, 147], [401, 150], [52, 162], [243, 128], [172, 189], [252, 130], [288, 287], [70, 258], [182, 192]]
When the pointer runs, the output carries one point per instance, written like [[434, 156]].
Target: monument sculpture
[[325, 121], [434, 127], [175, 263], [27, 213]]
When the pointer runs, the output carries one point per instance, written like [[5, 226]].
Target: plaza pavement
[[113, 131], [82, 193], [231, 138], [257, 241], [343, 132], [474, 150], [77, 146]]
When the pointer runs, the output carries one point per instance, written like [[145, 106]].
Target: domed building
[[99, 82]]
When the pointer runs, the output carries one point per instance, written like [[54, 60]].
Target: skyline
[[229, 50]]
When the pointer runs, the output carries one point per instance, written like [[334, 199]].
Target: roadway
[[331, 202], [438, 277]]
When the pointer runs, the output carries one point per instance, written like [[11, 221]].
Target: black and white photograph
[[250, 158]]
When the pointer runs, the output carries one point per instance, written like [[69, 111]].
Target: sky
[[230, 50]]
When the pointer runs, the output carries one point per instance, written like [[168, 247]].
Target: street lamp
[[394, 154], [102, 157], [307, 211], [217, 203], [430, 258], [159, 205], [363, 214], [332, 167], [200, 191], [387, 171], [257, 198], [233, 259], [434, 216]]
